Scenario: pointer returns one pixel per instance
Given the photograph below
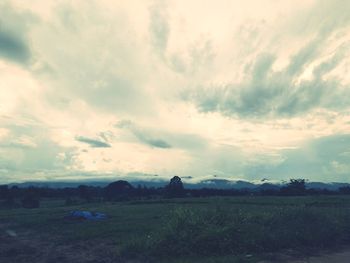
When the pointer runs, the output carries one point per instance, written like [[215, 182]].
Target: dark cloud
[[13, 47], [93, 142], [14, 44], [151, 137], [143, 135], [267, 93], [276, 94], [158, 143]]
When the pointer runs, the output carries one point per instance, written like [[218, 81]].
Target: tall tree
[[175, 187]]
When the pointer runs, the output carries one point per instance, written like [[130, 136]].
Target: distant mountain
[[148, 184], [223, 184], [268, 186], [208, 183], [56, 184]]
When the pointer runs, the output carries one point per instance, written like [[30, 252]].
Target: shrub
[[227, 232]]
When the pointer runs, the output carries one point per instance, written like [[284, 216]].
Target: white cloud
[[237, 94]]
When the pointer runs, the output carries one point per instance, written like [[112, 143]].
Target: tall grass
[[232, 232]]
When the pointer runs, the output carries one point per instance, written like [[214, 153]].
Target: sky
[[202, 89]]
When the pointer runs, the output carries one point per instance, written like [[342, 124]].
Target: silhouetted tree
[[294, 187], [175, 188], [118, 190]]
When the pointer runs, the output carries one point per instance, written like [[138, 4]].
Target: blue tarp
[[87, 215]]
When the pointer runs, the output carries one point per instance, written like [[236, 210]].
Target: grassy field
[[237, 229]]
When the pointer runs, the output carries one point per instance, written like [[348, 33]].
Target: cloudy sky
[[151, 89]]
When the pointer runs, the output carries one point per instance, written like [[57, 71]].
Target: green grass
[[199, 229]]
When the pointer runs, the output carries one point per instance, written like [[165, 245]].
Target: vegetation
[[226, 229], [123, 191], [173, 224], [294, 187], [224, 232], [175, 188]]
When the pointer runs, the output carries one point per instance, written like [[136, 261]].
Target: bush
[[228, 232]]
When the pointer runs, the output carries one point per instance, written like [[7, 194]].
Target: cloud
[[23, 142], [143, 136], [275, 94], [223, 96], [14, 48], [108, 72], [28, 151], [320, 159], [154, 142], [159, 28], [265, 89], [93, 142], [14, 43], [161, 137]]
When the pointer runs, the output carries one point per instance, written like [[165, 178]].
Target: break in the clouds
[[200, 89]]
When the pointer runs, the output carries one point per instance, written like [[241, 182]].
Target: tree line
[[121, 190]]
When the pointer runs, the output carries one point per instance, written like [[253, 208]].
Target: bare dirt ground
[[27, 247]]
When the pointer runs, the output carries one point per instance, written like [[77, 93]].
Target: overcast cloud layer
[[232, 89]]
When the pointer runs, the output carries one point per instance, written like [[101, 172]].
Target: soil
[[28, 247]]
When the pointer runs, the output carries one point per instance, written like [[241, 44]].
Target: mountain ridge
[[207, 183]]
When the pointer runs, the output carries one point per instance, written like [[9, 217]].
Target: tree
[[295, 187], [175, 187], [118, 190]]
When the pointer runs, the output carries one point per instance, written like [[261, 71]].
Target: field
[[235, 229]]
